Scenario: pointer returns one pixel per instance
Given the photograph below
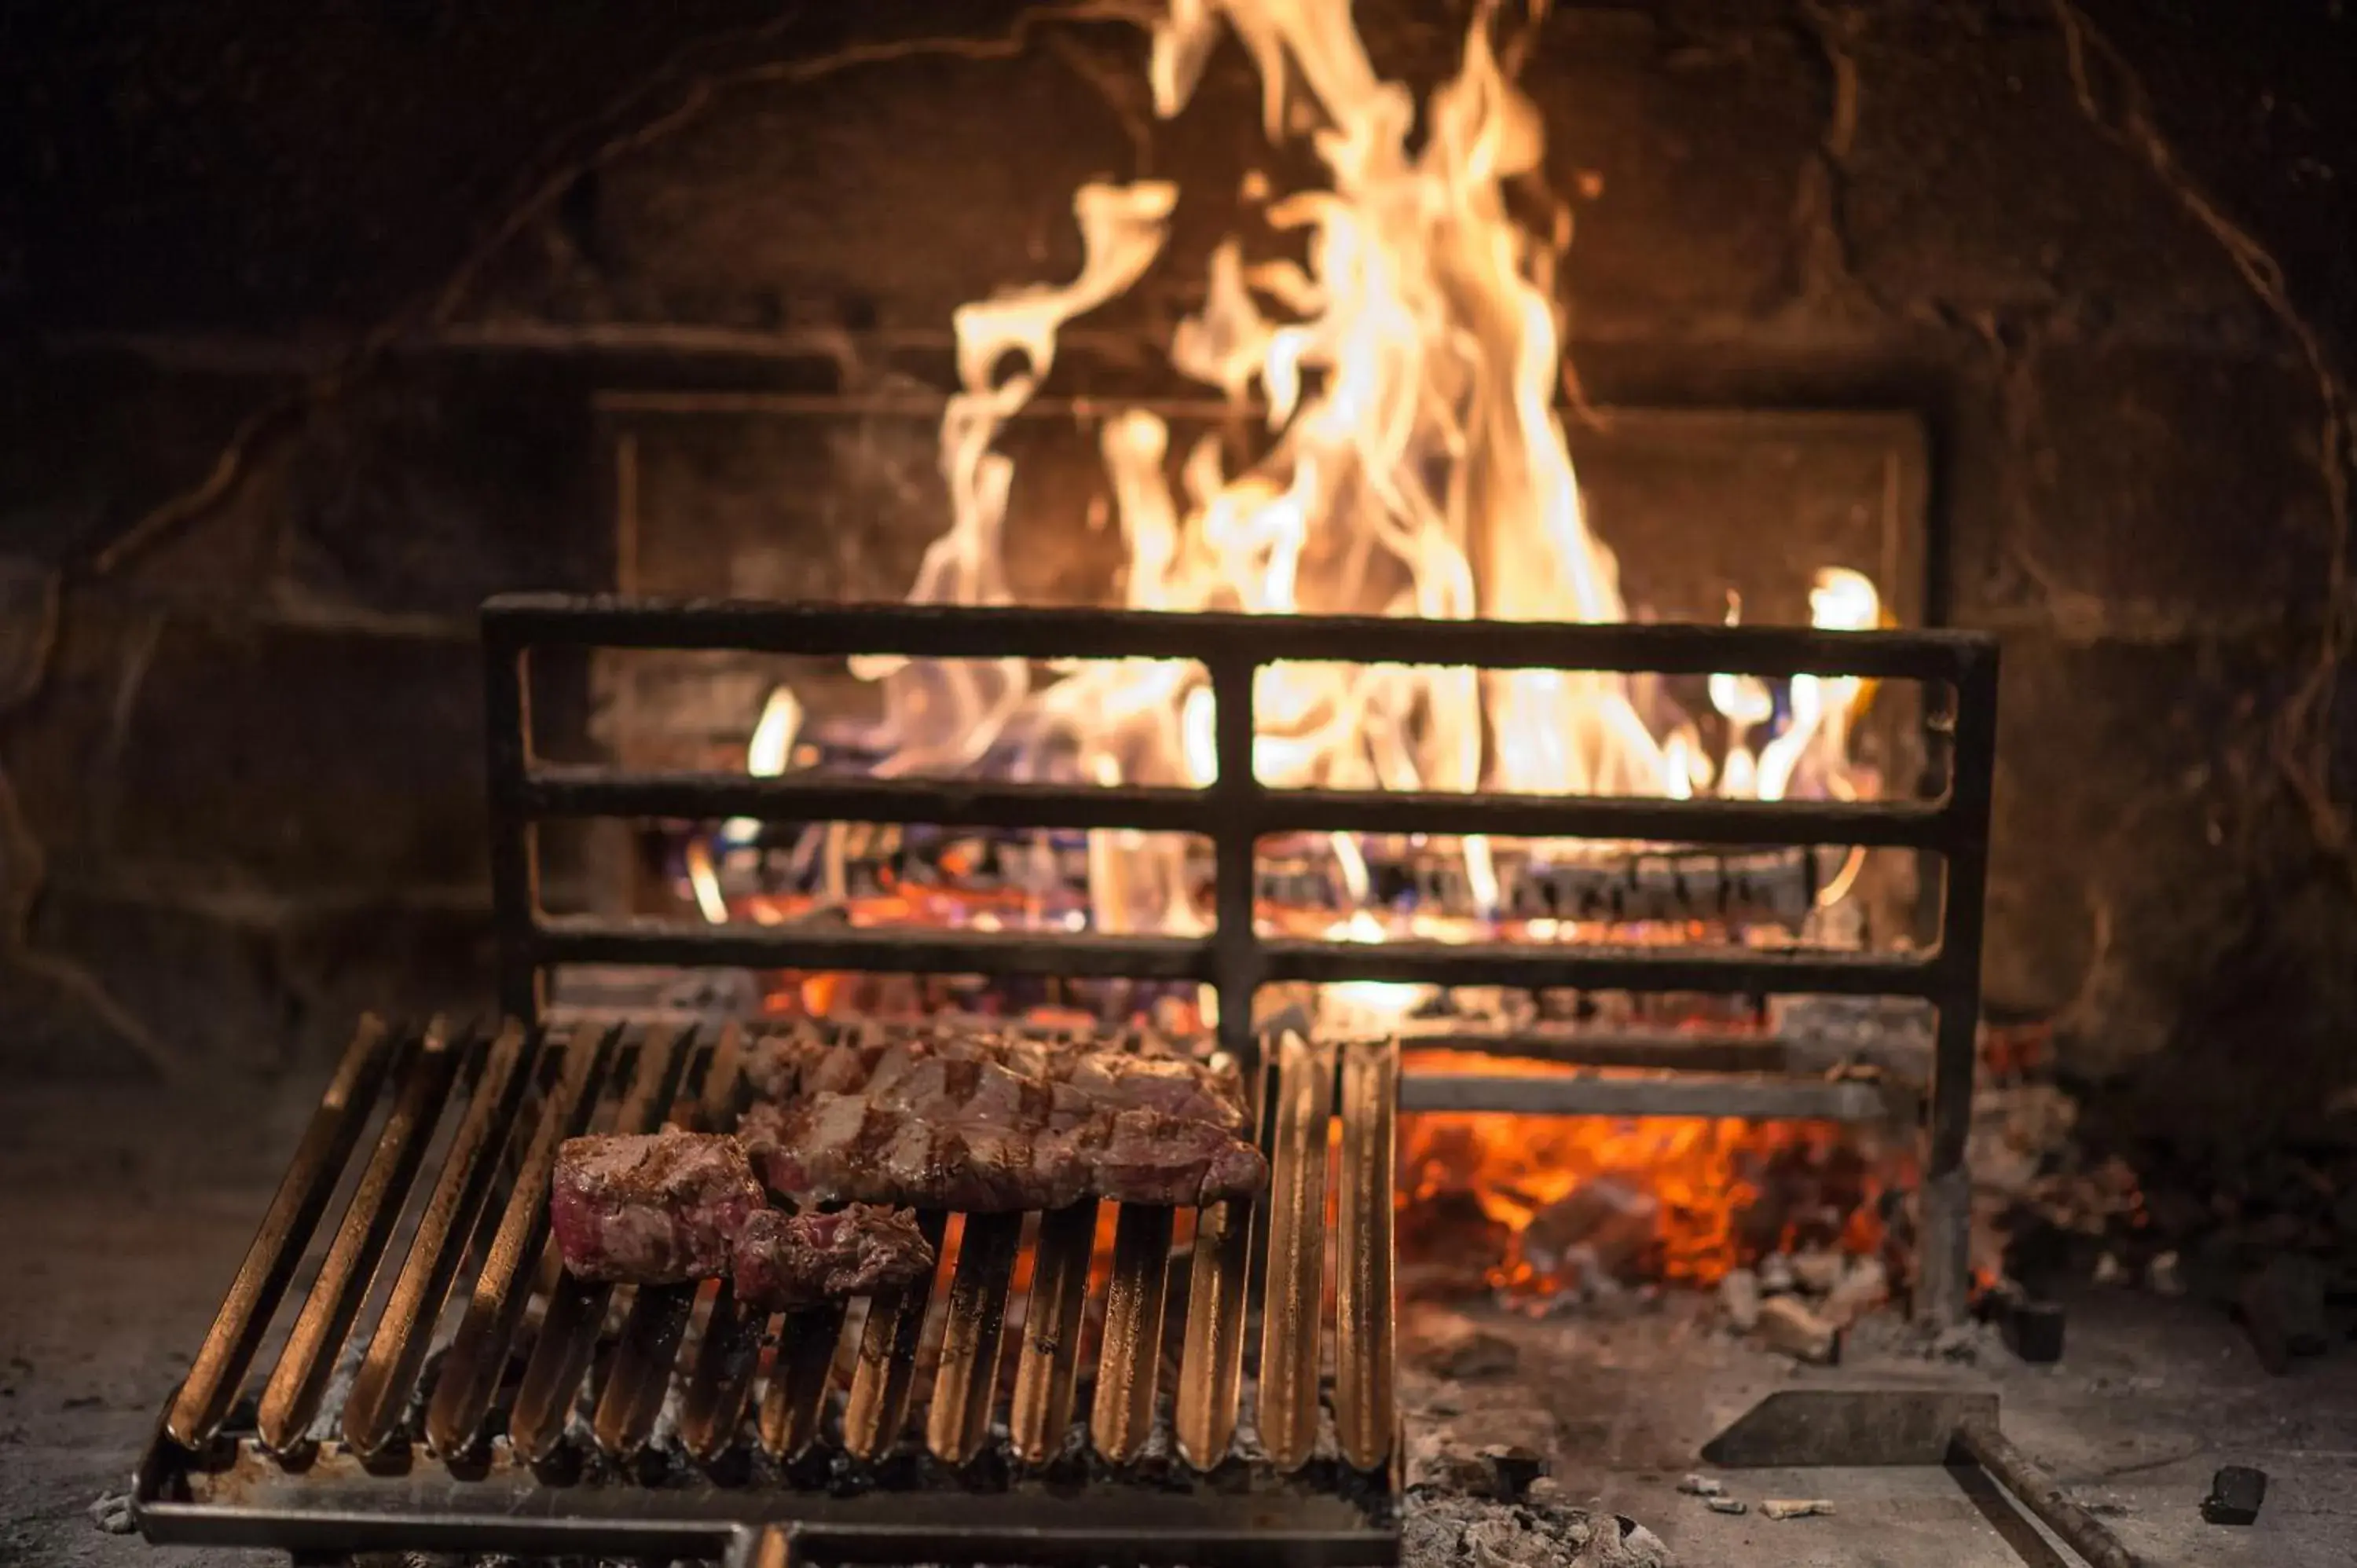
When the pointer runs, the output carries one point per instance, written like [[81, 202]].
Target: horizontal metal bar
[[577, 790], [938, 631], [573, 939], [1736, 972], [1686, 1051], [1724, 971], [1557, 1095]]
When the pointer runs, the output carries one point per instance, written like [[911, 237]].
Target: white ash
[[1776, 1276], [1818, 1270], [1787, 1324], [111, 1512], [1795, 1508], [1441, 1531], [1739, 1297], [1699, 1486], [1864, 1285]]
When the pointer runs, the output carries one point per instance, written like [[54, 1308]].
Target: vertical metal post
[[1943, 1210], [515, 846], [1236, 957]]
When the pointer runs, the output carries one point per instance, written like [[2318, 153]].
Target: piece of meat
[[936, 1072], [650, 1210], [1145, 1156], [850, 1148], [783, 1260], [836, 1148]]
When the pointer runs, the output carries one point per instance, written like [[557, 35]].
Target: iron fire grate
[[1958, 670]]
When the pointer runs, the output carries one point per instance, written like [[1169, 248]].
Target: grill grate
[[373, 1429], [1236, 814]]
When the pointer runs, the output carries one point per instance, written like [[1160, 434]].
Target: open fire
[[1395, 332]]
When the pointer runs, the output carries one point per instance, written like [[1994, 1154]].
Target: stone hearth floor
[[124, 1211]]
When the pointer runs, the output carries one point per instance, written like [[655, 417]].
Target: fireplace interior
[[1738, 602]]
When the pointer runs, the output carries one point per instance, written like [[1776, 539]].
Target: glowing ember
[[1722, 1192]]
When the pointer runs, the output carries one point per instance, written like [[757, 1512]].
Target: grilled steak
[[791, 1259], [650, 1210], [873, 1149], [1066, 1080]]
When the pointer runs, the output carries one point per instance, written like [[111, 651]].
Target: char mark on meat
[[783, 1260], [850, 1148], [1003, 1077], [650, 1210]]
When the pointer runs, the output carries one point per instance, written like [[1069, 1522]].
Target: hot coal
[[782, 1260], [654, 1209]]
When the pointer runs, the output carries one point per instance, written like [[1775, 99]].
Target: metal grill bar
[[553, 790], [945, 631], [292, 1397], [1211, 1373], [1297, 1251], [398, 1347], [470, 1371], [511, 1099], [311, 1181]]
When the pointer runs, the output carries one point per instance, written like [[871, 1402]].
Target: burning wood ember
[[1680, 1199]]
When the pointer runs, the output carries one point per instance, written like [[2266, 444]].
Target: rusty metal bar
[[577, 1308], [797, 1393], [1041, 1408], [1293, 1297], [1212, 1355], [895, 951], [212, 1385], [588, 790], [1366, 1415], [379, 1394], [514, 834], [639, 1373], [291, 1399], [1945, 1197], [965, 1384], [1814, 1100], [472, 1364], [1129, 1358], [940, 631], [886, 1375], [721, 1385]]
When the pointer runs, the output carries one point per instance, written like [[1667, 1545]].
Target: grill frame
[[1236, 811], [387, 1466]]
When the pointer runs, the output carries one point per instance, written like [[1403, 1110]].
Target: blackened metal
[[1129, 1361], [292, 1397], [947, 632], [1808, 1428], [583, 790], [1943, 1203], [514, 833], [1561, 1094], [478, 1353], [397, 1349], [212, 1382], [2036, 1491], [1677, 1049], [1237, 970], [885, 1379], [1236, 811]]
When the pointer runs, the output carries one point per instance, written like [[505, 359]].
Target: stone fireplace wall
[[306, 328]]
